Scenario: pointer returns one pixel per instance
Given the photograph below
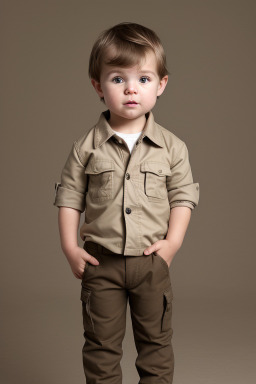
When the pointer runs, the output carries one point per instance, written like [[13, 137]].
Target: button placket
[[131, 200]]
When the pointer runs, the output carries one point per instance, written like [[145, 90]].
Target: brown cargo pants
[[105, 288]]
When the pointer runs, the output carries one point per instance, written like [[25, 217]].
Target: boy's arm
[[77, 257], [182, 191], [183, 195], [70, 198], [178, 224], [68, 220], [70, 192]]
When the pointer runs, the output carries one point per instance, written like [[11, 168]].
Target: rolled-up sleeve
[[70, 192], [182, 191]]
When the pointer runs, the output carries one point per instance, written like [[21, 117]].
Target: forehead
[[146, 64]]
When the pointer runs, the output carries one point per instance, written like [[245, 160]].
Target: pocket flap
[[168, 295], [85, 295], [99, 166], [160, 169]]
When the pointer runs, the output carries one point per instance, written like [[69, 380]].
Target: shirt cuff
[[187, 194], [65, 197], [182, 203]]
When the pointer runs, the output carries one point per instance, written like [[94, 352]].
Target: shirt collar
[[103, 130]]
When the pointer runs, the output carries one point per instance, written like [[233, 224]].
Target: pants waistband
[[90, 246]]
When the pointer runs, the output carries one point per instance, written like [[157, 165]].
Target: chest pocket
[[100, 174], [155, 179]]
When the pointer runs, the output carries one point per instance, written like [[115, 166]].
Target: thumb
[[152, 248]]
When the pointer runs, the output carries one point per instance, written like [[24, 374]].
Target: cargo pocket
[[167, 311], [86, 304], [100, 179], [155, 179]]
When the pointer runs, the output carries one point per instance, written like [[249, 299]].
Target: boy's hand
[[165, 248], [77, 258]]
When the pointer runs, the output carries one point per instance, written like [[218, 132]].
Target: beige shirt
[[126, 196]]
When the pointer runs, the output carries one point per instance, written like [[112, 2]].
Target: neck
[[123, 125]]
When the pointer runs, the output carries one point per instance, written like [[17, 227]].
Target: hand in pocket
[[77, 258]]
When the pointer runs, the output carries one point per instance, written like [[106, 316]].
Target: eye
[[117, 79], [144, 79]]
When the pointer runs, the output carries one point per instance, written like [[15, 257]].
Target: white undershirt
[[130, 138]]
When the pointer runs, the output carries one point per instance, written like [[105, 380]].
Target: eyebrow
[[123, 70]]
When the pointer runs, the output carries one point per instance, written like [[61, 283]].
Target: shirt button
[[128, 210], [160, 170], [197, 188], [127, 176]]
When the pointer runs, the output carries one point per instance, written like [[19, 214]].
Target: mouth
[[131, 102]]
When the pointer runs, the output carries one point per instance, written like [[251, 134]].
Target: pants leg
[[150, 302], [145, 280], [104, 304]]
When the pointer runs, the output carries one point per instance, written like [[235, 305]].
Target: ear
[[97, 87], [162, 84]]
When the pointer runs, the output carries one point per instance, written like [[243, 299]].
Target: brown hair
[[125, 45]]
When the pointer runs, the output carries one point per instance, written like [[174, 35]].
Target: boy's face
[[141, 85]]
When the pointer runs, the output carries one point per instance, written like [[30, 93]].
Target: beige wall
[[48, 101]]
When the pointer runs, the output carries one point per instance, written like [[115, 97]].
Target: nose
[[130, 89]]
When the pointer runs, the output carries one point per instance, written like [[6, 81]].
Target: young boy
[[133, 179]]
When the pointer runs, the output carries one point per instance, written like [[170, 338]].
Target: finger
[[81, 274], [89, 258]]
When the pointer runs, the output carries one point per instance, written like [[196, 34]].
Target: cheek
[[150, 91], [151, 94], [111, 98], [111, 92]]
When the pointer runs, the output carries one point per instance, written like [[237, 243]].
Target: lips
[[131, 102]]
